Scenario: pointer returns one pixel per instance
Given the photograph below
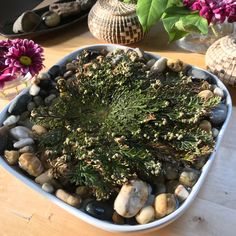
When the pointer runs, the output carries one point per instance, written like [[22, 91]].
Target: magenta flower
[[19, 57], [214, 10], [24, 56]]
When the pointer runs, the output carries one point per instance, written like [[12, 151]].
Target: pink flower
[[214, 10], [18, 57], [24, 56]]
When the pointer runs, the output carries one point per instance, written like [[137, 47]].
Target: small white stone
[[150, 63], [34, 90], [146, 215], [160, 65], [23, 142], [219, 92], [11, 120], [47, 188], [181, 193], [215, 132], [20, 132]]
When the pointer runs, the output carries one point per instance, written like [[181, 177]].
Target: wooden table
[[25, 213]]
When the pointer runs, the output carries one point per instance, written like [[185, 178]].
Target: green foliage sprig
[[178, 20]]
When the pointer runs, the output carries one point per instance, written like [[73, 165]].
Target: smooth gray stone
[[19, 105], [218, 114]]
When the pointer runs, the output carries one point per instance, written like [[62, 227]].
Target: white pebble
[[20, 132], [23, 142], [160, 65], [11, 120], [146, 215], [151, 62], [219, 92], [34, 90], [181, 193], [215, 132], [47, 188]]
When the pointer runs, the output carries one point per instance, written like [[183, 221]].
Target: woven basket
[[115, 22], [221, 59]]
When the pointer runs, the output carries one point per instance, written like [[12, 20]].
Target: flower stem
[[214, 30]]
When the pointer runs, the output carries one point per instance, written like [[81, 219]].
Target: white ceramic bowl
[[157, 224]]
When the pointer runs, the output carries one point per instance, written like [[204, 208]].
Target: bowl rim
[[157, 224]]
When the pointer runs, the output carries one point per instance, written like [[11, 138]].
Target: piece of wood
[[25, 213]]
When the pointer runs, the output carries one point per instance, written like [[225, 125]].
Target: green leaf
[[150, 11]]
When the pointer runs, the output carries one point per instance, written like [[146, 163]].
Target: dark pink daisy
[[24, 56]]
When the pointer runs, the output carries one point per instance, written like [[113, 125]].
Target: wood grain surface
[[25, 213]]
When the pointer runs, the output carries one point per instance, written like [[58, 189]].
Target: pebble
[[39, 129], [71, 66], [47, 188], [20, 132], [131, 198], [11, 120], [51, 19], [140, 52], [150, 63], [45, 84], [34, 90], [206, 94], [219, 92], [26, 123], [19, 105], [99, 210], [31, 106], [218, 114], [189, 177], [175, 65], [43, 93], [215, 132], [160, 65], [171, 172], [68, 198], [46, 177], [4, 132], [11, 156], [145, 215], [55, 71], [23, 142], [83, 191], [68, 74], [117, 219], [165, 204], [181, 193], [43, 76], [25, 115], [199, 74], [48, 100], [26, 149], [38, 101], [31, 164], [205, 125], [150, 200]]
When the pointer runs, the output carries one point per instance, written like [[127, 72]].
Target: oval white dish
[[157, 224]]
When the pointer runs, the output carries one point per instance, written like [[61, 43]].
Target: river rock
[[160, 65], [68, 198], [11, 156], [23, 142], [31, 164], [150, 63], [198, 74], [51, 19], [205, 125], [39, 129], [68, 74], [34, 90], [55, 71], [31, 106], [83, 191], [165, 204], [4, 132], [189, 177], [215, 132], [218, 114], [48, 100], [206, 94], [38, 101], [145, 215], [131, 198], [20, 132], [175, 65], [171, 172], [27, 149], [117, 219], [47, 188], [71, 67], [19, 105], [11, 120], [150, 200], [45, 84], [219, 92], [99, 210], [47, 177], [181, 193]]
